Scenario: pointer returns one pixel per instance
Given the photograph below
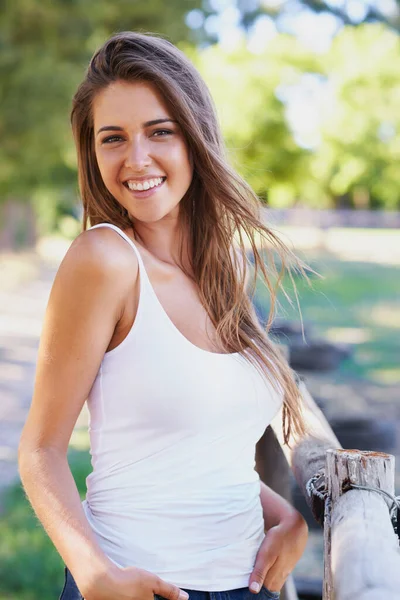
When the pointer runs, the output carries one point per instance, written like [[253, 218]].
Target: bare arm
[[85, 305], [275, 507]]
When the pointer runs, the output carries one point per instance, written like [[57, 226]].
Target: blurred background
[[308, 95]]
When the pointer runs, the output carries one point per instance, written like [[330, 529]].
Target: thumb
[[170, 591], [261, 567], [256, 582]]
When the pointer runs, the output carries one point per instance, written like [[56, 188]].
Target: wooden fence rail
[[361, 549]]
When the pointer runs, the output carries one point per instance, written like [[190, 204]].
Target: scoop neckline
[[142, 269], [169, 320], [175, 328]]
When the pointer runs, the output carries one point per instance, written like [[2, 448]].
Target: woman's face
[[132, 151]]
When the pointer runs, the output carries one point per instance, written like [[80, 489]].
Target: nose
[[137, 157]]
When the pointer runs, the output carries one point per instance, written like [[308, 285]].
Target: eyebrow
[[146, 124]]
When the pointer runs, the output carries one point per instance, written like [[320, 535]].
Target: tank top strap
[[126, 238]]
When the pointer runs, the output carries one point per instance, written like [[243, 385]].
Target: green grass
[[30, 567], [356, 303]]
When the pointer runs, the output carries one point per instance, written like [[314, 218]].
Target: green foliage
[[30, 567], [355, 161], [258, 138], [374, 12], [360, 129], [45, 47]]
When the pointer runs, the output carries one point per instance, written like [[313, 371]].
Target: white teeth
[[145, 185]]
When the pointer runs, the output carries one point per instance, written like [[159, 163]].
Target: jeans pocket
[[70, 590], [270, 595]]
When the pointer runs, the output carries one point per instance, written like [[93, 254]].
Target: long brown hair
[[220, 210]]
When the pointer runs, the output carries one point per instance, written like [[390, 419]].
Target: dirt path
[[22, 306]]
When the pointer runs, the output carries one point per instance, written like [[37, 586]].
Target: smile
[[145, 188]]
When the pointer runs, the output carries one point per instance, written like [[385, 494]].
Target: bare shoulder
[[99, 269], [101, 253]]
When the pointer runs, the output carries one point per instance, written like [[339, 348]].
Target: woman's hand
[[281, 549], [131, 583]]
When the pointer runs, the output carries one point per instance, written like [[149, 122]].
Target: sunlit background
[[308, 95]]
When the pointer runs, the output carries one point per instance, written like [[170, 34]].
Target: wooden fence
[[361, 549]]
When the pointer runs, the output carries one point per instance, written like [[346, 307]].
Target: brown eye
[[160, 131], [111, 139]]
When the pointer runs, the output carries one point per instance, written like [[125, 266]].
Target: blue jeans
[[71, 592]]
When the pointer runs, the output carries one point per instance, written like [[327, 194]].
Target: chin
[[153, 215]]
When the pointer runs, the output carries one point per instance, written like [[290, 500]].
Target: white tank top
[[173, 430]]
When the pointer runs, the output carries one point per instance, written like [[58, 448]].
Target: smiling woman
[[149, 320]]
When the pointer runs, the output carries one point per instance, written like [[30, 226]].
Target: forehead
[[128, 101]]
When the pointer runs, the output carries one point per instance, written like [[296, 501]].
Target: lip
[[145, 193]]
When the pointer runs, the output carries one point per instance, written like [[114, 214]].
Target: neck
[[164, 240]]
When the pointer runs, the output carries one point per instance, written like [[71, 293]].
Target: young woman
[[150, 321]]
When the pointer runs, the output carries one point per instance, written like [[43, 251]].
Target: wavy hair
[[220, 211]]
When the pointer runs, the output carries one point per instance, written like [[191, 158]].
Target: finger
[[170, 591], [261, 567]]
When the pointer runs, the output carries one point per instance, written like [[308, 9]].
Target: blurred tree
[[356, 162], [45, 46], [349, 12], [260, 143], [353, 159]]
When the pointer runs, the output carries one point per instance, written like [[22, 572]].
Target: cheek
[[107, 168], [179, 160]]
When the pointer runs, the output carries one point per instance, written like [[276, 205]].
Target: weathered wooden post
[[362, 555]]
